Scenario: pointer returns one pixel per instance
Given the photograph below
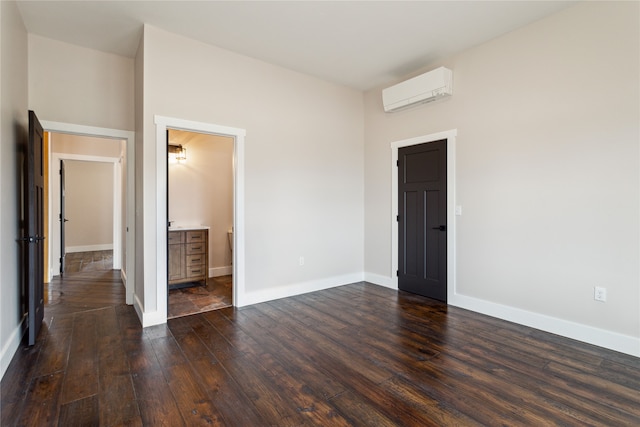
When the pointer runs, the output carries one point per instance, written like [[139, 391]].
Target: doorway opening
[[451, 208], [86, 187], [154, 310], [200, 222], [94, 146]]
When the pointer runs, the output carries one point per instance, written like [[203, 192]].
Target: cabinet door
[[177, 264]]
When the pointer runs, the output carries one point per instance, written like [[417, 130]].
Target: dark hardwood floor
[[353, 355]]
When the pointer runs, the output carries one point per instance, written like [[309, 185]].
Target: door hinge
[[397, 273], [398, 218], [397, 162]]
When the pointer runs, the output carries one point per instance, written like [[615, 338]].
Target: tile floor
[[76, 262], [198, 299]]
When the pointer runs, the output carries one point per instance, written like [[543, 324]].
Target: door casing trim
[[129, 137], [116, 223], [159, 257], [450, 136]]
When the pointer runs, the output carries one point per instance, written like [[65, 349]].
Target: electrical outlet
[[600, 294], [301, 260]]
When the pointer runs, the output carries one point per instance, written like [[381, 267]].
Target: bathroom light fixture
[[177, 153]]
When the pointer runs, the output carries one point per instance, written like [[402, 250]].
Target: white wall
[[547, 173], [304, 148], [85, 145], [88, 92], [201, 192], [13, 131], [88, 205], [79, 147], [72, 84], [139, 69]]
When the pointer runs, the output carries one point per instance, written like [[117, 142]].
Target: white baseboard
[[89, 248], [296, 289], [138, 307], [148, 318], [577, 331], [129, 296], [11, 346], [221, 271], [379, 280]]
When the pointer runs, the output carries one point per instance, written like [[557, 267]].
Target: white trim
[[116, 204], [220, 271], [380, 280], [123, 276], [158, 263], [11, 345], [92, 248], [600, 337], [450, 136], [606, 339], [301, 288], [148, 318], [129, 137]]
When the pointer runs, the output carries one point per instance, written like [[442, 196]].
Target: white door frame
[[238, 135], [54, 185], [128, 273], [450, 136]]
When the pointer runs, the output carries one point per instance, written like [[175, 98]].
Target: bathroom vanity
[[188, 255]]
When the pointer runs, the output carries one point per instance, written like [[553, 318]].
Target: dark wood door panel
[[422, 219], [33, 264]]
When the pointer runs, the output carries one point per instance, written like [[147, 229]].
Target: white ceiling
[[360, 44]]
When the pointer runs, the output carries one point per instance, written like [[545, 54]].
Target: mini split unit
[[424, 88]]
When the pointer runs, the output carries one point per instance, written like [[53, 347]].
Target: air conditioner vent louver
[[424, 88]]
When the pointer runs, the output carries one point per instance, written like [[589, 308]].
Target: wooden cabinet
[[188, 256]]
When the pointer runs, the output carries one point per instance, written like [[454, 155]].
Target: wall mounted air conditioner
[[424, 88]]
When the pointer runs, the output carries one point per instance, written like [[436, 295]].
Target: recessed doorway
[[200, 222]]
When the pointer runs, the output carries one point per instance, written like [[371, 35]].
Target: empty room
[[432, 215]]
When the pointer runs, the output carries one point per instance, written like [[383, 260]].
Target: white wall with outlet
[[304, 179], [547, 173], [600, 294]]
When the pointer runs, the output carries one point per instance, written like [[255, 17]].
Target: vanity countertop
[[188, 227]]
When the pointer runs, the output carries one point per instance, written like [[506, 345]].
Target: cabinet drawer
[[195, 260], [196, 236], [195, 248], [196, 271], [176, 237]]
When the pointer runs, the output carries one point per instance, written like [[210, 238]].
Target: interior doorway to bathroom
[[200, 222]]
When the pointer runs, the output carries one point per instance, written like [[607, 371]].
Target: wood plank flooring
[[353, 355]]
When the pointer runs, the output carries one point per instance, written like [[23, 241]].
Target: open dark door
[[34, 227], [63, 218], [422, 219]]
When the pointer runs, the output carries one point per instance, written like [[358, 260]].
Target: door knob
[[441, 228]]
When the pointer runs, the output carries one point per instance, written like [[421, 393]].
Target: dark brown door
[[422, 219], [34, 227], [63, 218]]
